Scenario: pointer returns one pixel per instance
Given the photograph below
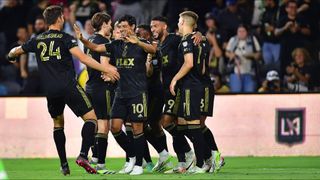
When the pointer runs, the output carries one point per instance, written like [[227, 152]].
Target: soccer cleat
[[65, 169], [162, 166], [127, 168], [149, 166], [180, 168], [104, 170], [137, 170], [122, 171], [189, 159], [196, 170], [207, 164], [217, 163], [93, 162], [86, 165]]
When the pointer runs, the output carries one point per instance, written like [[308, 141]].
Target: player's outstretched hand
[[133, 39], [77, 31], [172, 87], [197, 38]]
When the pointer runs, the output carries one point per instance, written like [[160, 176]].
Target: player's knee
[[89, 115], [103, 126], [166, 121], [137, 128], [116, 126], [58, 122], [203, 121]]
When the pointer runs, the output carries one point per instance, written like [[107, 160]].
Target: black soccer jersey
[[168, 52], [130, 62], [194, 76], [206, 50], [95, 80], [154, 82], [54, 60]]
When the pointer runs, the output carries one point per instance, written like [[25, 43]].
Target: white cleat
[[207, 164], [127, 168], [122, 171], [137, 170], [190, 158], [196, 170]]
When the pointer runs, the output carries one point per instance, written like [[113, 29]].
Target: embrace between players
[[146, 87]]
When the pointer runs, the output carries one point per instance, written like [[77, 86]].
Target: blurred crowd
[[266, 46]]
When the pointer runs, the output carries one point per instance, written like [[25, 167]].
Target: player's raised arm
[[14, 53], [92, 46], [149, 48], [109, 70]]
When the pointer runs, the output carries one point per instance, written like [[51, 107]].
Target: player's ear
[[133, 27], [165, 27]]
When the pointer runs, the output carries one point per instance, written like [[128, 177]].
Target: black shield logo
[[290, 125]]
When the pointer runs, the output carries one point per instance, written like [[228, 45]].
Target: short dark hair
[[98, 19], [145, 27], [51, 14], [160, 18], [128, 18]]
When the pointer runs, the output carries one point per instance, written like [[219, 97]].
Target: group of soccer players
[[140, 77]]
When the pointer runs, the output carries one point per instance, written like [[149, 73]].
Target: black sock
[[60, 141], [162, 141], [146, 155], [88, 131], [102, 144], [123, 140], [180, 143], [151, 138], [209, 139], [139, 143], [197, 139], [130, 138], [94, 148]]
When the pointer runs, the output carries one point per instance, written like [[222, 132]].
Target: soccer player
[[191, 89], [99, 92], [130, 100], [153, 130], [213, 159], [54, 50], [168, 54]]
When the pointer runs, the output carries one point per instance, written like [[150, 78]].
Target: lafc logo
[[125, 62], [290, 125]]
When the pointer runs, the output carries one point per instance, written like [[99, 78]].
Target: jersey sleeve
[[187, 45], [30, 45], [69, 41], [109, 48]]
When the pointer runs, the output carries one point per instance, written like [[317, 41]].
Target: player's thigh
[[119, 108], [137, 108], [55, 106], [78, 101], [116, 125], [101, 99]]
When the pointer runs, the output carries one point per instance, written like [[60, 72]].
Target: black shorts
[[74, 97], [207, 100], [132, 109], [155, 105], [102, 99], [169, 107], [189, 100]]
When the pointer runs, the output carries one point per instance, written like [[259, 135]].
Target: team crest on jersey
[[184, 44]]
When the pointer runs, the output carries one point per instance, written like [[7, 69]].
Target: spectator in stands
[[29, 67], [219, 86], [216, 40], [243, 50], [293, 32], [271, 43], [84, 9], [271, 84], [12, 16], [298, 72], [35, 12], [230, 18]]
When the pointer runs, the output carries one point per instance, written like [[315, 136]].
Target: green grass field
[[235, 168]]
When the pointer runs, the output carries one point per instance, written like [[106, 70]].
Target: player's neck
[[186, 30], [54, 27], [164, 36]]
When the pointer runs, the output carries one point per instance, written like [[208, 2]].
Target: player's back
[[54, 60]]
